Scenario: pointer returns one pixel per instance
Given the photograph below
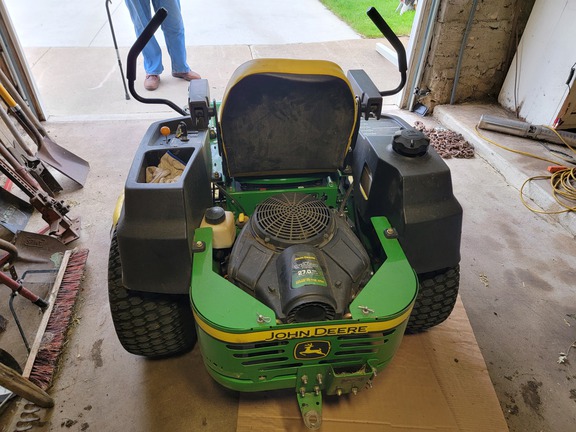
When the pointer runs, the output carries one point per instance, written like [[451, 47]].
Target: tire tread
[[148, 324], [436, 299]]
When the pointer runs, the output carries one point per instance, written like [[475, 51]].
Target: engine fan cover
[[299, 258], [288, 219]]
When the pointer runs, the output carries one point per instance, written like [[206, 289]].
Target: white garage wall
[[545, 55]]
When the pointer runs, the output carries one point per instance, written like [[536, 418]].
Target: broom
[[51, 337]]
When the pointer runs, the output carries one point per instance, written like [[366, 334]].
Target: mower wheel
[[436, 298], [148, 324]]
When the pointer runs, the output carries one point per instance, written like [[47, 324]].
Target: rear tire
[[148, 324], [436, 298]]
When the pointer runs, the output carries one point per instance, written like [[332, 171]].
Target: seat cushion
[[281, 117]]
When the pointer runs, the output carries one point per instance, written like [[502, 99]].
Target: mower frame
[[392, 190]]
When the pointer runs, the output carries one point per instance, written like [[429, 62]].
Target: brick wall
[[488, 52]]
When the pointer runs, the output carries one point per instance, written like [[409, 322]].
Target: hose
[[563, 182]]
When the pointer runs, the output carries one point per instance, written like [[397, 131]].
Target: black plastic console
[[158, 220]]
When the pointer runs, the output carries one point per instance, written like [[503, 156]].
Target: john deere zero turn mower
[[302, 234]]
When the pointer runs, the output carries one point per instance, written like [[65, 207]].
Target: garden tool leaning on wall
[[53, 211], [69, 164], [23, 155]]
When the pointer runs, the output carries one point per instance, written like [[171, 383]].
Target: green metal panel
[[393, 286], [249, 199], [389, 294], [271, 365], [245, 349], [219, 301]]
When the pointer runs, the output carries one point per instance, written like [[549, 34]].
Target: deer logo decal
[[311, 350]]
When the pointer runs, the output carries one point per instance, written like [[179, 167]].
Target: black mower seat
[[283, 117]]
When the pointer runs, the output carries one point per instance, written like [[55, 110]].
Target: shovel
[[14, 212], [23, 153], [69, 164]]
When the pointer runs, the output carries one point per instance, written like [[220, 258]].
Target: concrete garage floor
[[517, 268], [518, 277], [516, 284]]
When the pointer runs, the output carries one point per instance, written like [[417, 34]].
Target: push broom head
[[54, 337]]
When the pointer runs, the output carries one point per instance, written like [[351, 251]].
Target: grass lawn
[[353, 12]]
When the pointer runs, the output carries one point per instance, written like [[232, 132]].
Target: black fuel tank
[[398, 176]]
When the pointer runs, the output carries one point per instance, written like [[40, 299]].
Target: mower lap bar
[[287, 117], [135, 51], [158, 219]]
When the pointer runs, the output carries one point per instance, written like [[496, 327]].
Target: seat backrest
[[282, 117]]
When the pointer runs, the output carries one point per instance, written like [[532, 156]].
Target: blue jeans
[[173, 29]]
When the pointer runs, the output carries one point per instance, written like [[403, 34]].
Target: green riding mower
[[294, 231]]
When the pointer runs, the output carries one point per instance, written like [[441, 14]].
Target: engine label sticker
[[306, 270], [311, 350]]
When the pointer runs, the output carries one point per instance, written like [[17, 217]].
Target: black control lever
[[135, 51], [396, 44]]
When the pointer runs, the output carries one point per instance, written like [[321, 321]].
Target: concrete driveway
[[70, 51], [73, 23]]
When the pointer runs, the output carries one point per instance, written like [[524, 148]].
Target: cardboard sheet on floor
[[437, 381]]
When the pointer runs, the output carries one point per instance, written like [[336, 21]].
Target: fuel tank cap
[[410, 142]]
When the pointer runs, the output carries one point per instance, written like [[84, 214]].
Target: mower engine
[[299, 258]]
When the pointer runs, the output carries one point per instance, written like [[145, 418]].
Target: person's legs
[[141, 13], [173, 28]]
